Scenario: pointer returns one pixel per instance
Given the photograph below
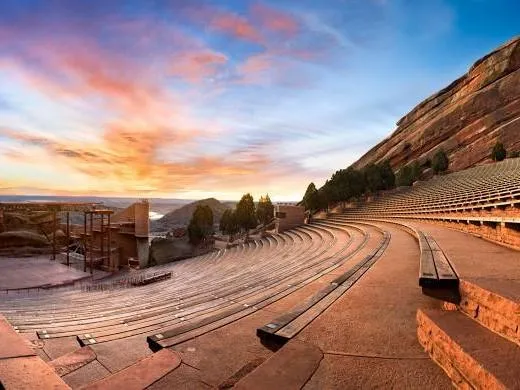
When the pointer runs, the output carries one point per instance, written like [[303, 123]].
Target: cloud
[[196, 66], [235, 25], [275, 20]]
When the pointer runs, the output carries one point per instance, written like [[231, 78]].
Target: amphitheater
[[419, 288]]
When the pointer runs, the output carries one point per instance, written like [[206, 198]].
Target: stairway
[[477, 344]]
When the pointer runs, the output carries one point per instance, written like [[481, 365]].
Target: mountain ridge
[[466, 118]]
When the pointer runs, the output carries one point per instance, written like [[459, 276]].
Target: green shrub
[[440, 162]]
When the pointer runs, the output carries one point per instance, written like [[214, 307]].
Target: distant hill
[[182, 216], [465, 119]]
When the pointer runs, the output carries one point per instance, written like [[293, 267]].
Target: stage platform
[[32, 272]]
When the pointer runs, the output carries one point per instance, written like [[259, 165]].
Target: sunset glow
[[191, 99]]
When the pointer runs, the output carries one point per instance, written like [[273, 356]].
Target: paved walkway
[[34, 271], [221, 357], [368, 337], [473, 257]]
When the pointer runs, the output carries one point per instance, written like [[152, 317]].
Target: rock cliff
[[465, 119]]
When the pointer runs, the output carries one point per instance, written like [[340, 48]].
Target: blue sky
[[191, 99]]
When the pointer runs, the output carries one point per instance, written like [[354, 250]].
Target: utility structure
[[106, 239]]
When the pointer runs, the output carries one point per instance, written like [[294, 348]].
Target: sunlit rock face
[[465, 119]]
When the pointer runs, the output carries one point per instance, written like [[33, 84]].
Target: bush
[[515, 155], [408, 174], [498, 153], [440, 162]]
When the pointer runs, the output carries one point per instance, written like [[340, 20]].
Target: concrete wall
[[142, 218], [288, 217]]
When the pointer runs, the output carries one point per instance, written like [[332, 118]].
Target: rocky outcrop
[[465, 119]]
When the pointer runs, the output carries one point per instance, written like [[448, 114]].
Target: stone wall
[[288, 217]]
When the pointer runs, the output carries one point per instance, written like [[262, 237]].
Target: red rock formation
[[465, 119]]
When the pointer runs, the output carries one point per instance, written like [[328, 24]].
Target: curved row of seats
[[203, 292], [481, 187]]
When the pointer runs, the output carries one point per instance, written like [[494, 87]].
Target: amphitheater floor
[[365, 339], [28, 272], [368, 337]]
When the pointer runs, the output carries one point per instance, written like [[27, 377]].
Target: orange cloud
[[128, 159], [195, 66]]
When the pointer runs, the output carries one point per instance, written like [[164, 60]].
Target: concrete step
[[141, 374], [72, 361], [471, 355], [494, 303], [289, 368], [20, 368]]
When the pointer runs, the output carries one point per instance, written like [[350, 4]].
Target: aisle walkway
[[368, 337]]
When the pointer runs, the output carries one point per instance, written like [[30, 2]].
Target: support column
[[85, 241], [54, 228], [68, 237], [91, 242], [109, 244], [102, 238]]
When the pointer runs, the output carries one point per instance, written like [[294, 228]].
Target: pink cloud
[[195, 66], [275, 20], [235, 25]]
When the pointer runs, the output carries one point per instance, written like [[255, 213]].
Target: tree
[[440, 162], [404, 176], [379, 177], [310, 200], [387, 175], [228, 222], [201, 224], [265, 209], [245, 213], [498, 153], [408, 174]]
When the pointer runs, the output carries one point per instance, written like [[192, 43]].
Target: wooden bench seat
[[435, 269], [286, 326]]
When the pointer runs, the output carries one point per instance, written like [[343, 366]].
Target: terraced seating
[[203, 293], [286, 326], [487, 186]]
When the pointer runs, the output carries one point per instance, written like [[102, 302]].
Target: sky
[[191, 99]]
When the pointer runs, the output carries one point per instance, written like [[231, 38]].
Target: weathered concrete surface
[[182, 378], [222, 352], [90, 372], [29, 373], [57, 347], [141, 374], [361, 372], [72, 361], [34, 272], [289, 368], [20, 368], [11, 344], [469, 353], [368, 336], [118, 354], [465, 119]]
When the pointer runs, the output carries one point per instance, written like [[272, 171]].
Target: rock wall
[[465, 119]]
